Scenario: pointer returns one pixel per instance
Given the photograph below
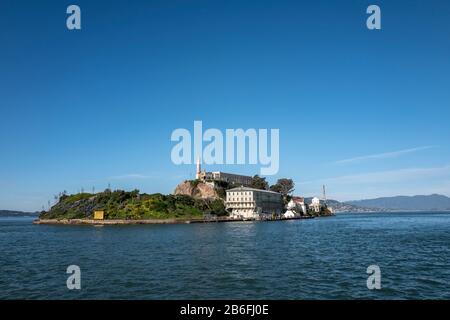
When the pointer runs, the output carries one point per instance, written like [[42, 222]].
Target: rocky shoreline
[[106, 222], [147, 221]]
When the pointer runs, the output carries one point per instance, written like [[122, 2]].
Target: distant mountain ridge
[[434, 202], [13, 213]]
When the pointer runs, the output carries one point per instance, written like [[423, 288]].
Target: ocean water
[[324, 258]]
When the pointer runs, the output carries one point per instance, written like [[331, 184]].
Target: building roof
[[232, 174], [298, 199], [251, 189]]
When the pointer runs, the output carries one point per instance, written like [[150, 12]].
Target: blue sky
[[364, 112]]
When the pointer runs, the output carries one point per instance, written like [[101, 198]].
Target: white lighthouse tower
[[199, 169]]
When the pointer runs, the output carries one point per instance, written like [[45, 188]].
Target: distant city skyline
[[364, 112]]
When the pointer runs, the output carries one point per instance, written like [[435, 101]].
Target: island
[[210, 197]]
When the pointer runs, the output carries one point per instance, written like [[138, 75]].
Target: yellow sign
[[99, 215]]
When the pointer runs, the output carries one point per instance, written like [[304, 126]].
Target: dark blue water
[[322, 258]]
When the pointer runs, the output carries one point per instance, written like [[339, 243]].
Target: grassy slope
[[132, 205]]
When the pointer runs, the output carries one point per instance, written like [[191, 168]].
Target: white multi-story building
[[249, 203], [315, 204]]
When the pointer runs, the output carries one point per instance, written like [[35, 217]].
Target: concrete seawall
[[127, 222], [105, 222]]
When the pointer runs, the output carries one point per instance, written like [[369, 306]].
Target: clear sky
[[364, 112]]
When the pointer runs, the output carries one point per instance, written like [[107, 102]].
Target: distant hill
[[340, 207], [434, 202], [12, 213]]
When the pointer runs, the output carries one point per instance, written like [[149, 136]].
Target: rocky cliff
[[197, 190]]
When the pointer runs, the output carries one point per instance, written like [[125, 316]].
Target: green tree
[[283, 186], [259, 183]]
